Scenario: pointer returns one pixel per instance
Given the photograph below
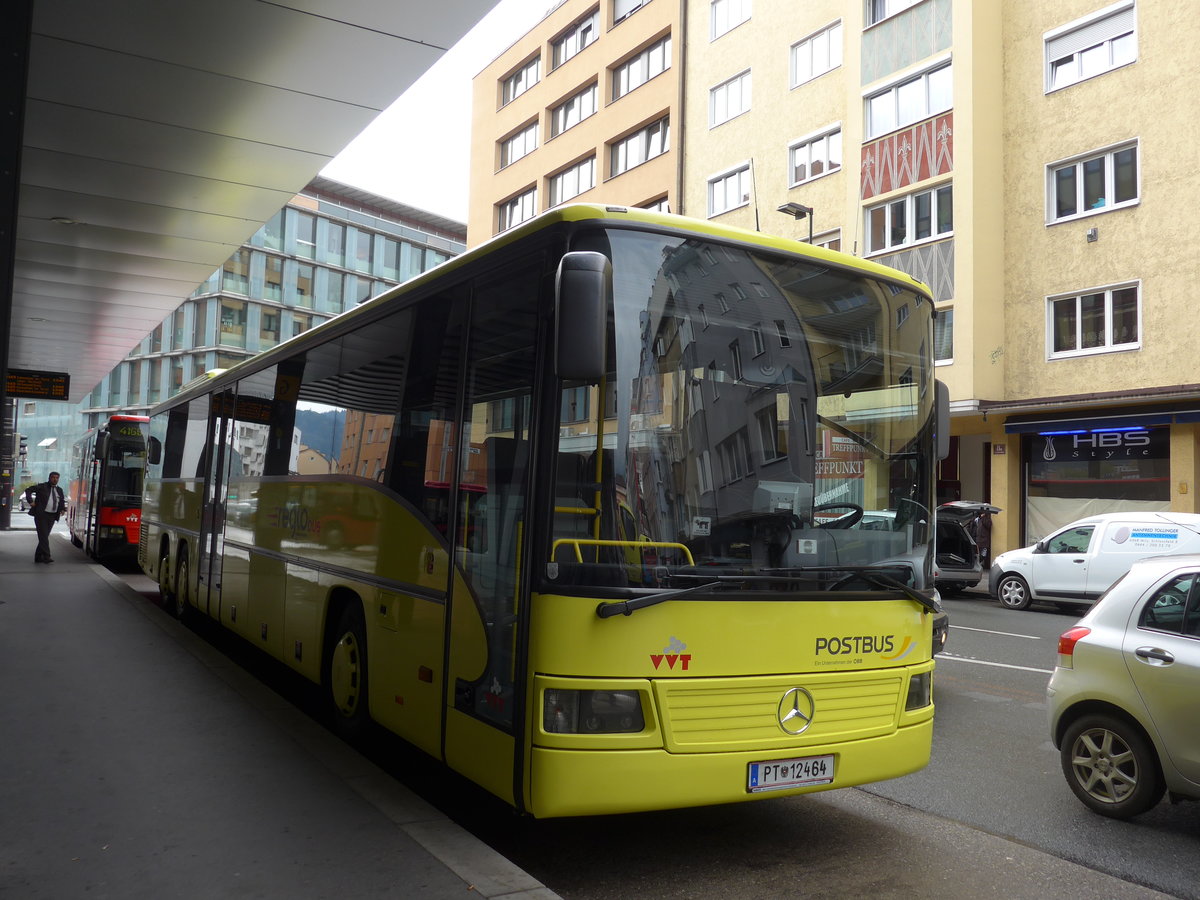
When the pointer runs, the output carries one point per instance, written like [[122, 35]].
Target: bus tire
[[166, 587], [345, 673], [181, 606]]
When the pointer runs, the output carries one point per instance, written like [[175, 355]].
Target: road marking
[[984, 662], [1028, 637]]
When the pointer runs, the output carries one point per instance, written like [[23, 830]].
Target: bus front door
[[212, 520]]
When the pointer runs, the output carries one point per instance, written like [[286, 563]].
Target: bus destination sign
[[37, 385]]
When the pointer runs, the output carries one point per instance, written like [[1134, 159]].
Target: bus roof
[[599, 214]]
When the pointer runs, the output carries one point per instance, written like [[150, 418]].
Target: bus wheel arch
[[344, 664]]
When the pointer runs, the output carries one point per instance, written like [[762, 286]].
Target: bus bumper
[[586, 783]]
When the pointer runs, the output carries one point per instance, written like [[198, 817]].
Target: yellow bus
[[575, 513]]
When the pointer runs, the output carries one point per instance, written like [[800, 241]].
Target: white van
[[1077, 563]]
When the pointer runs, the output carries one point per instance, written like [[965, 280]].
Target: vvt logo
[[673, 654]]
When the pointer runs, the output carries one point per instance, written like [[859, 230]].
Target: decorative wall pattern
[[915, 34], [930, 263], [908, 156]]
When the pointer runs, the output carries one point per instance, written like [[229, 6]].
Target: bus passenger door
[[485, 681], [212, 519]]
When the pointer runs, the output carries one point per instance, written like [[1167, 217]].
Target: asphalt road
[[994, 768], [991, 816]]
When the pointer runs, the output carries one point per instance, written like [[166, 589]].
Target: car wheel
[[1013, 592], [1111, 766]]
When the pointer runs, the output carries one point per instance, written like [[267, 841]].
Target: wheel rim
[[345, 674], [1104, 765], [1012, 594]]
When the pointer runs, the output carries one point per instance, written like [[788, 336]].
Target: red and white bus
[[104, 507]]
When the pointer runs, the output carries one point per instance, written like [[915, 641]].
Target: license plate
[[777, 774]]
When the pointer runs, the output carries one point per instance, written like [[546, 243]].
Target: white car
[[1077, 563], [1122, 698]]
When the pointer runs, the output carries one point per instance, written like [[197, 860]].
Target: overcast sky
[[418, 151]]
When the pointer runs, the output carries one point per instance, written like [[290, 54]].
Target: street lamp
[[799, 211]]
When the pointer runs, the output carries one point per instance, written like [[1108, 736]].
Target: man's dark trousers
[[44, 523]]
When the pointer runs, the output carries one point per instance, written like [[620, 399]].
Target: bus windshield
[[762, 415], [125, 465]]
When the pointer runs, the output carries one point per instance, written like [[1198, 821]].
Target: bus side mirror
[[582, 290], [942, 426], [153, 451], [100, 451]]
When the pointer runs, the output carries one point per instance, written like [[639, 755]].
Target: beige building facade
[[584, 107], [1021, 158]]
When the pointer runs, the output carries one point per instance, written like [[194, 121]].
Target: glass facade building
[[329, 249]]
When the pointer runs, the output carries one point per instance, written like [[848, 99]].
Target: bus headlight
[[919, 691], [592, 712]]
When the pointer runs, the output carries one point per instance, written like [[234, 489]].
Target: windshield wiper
[[627, 607], [880, 578]]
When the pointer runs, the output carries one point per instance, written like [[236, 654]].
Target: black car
[[957, 557]]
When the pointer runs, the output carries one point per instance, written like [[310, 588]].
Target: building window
[[1091, 46], [335, 243], [268, 333], [273, 279], [391, 259], [520, 144], [729, 99], [235, 274], [729, 191], [735, 360], [573, 110], [817, 54], [363, 251], [943, 335], [301, 322], [651, 141], [520, 81], [727, 15], [772, 433], [575, 405], [659, 205], [878, 10], [1100, 181], [272, 232], [1095, 322], [233, 323], [623, 9], [306, 235], [910, 101], [304, 286], [831, 240], [734, 452], [576, 38], [813, 157], [635, 72], [517, 210], [909, 220], [573, 181]]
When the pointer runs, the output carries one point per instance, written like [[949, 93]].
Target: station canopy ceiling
[[159, 136]]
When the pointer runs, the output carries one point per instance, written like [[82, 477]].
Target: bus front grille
[[714, 715]]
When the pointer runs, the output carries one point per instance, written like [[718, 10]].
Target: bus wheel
[[346, 673], [166, 588], [181, 607]]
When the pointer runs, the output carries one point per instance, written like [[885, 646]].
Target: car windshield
[[762, 414]]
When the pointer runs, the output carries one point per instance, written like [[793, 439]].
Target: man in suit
[[47, 501]]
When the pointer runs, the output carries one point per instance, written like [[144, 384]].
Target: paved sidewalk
[[137, 762]]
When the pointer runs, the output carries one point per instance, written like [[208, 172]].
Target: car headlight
[[591, 712]]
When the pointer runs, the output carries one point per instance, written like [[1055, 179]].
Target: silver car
[[1123, 696]]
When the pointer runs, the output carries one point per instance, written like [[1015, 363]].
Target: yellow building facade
[[1018, 157], [584, 107]]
